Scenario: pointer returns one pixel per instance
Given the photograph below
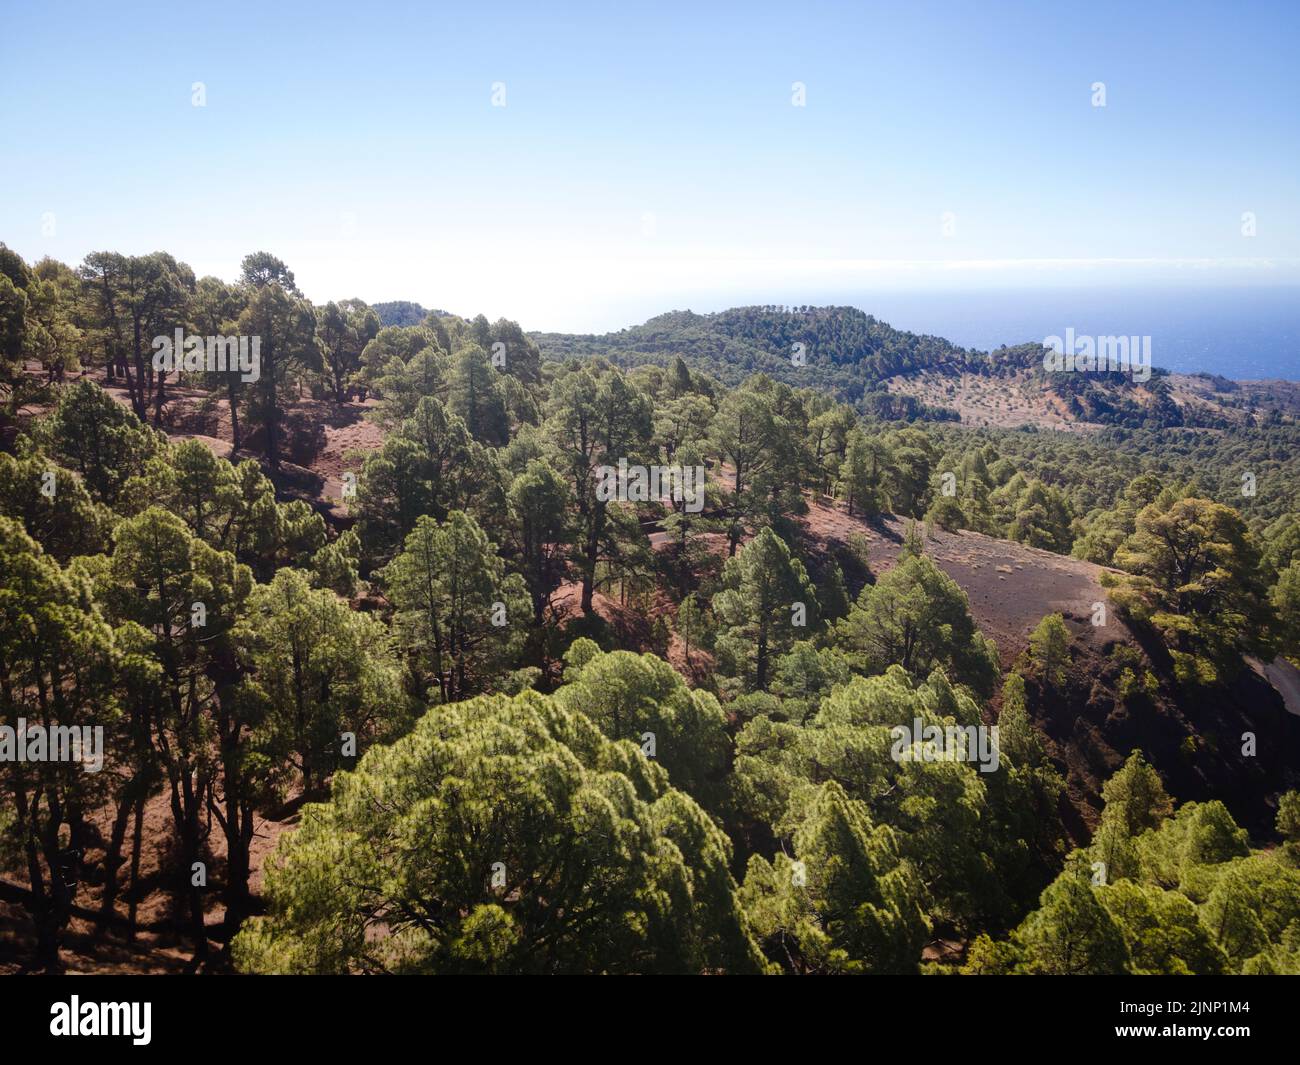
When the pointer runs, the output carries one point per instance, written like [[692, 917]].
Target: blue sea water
[[1241, 333]]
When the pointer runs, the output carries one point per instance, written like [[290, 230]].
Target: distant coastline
[[1241, 332]]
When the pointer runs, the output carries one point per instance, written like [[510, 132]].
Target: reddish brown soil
[[322, 439]]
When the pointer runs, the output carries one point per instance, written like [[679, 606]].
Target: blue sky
[[649, 156]]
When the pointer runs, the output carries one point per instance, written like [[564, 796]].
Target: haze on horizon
[[653, 156]]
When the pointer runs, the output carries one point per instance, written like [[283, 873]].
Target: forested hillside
[[837, 349], [414, 650], [891, 373]]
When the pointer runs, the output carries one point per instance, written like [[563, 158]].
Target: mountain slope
[[1098, 716], [893, 373], [838, 349]]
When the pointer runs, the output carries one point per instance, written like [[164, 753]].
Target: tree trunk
[[232, 391], [137, 840], [186, 807], [113, 860], [591, 553], [159, 398]]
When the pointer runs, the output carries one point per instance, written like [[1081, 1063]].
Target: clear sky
[[649, 156]]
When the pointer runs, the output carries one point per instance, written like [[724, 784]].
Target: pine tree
[[470, 844], [847, 902], [916, 616], [1049, 650], [460, 616], [767, 602]]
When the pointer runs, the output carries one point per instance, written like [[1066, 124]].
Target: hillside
[[893, 373], [394, 561], [844, 351], [1010, 587], [1089, 726]]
